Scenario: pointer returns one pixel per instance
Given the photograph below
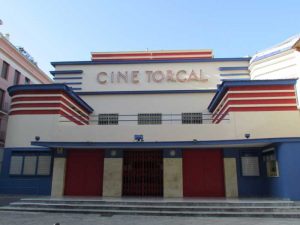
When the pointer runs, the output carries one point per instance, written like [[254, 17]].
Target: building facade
[[155, 123], [15, 68]]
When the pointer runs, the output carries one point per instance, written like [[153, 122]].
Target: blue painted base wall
[[31, 185], [248, 186], [287, 185]]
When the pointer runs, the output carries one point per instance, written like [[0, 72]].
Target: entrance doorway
[[203, 173], [143, 173], [84, 173]]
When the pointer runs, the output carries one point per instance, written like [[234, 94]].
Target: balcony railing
[[134, 119]]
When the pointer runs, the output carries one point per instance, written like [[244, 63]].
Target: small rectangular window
[[17, 77], [271, 164], [29, 165], [4, 71], [149, 118], [250, 166], [108, 119], [191, 118], [16, 163], [44, 165], [27, 80]]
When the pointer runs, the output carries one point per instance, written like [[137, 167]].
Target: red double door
[[84, 173], [203, 173]]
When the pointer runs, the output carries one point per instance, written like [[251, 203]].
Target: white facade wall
[[23, 128], [279, 62]]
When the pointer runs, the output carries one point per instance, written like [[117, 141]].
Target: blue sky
[[61, 30]]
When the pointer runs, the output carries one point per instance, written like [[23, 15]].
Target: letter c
[[102, 81], [179, 73]]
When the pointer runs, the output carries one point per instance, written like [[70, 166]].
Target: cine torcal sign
[[151, 76]]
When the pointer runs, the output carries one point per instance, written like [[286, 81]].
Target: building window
[[27, 80], [250, 165], [17, 77], [191, 118], [271, 164], [108, 119], [4, 72], [2, 94], [149, 118], [30, 164]]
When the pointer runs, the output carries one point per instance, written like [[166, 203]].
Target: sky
[[69, 30]]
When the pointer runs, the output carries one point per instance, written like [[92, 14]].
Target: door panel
[[203, 173], [84, 173]]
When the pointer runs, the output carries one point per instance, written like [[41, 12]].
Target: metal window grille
[[250, 166], [191, 118], [149, 118], [108, 119]]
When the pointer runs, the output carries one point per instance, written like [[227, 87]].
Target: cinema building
[[159, 123]]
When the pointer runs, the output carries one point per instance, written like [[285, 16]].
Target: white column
[[173, 177], [112, 177], [58, 177], [231, 183]]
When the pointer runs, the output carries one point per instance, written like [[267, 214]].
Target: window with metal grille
[[108, 119], [30, 164], [271, 164], [149, 118], [250, 166], [4, 71], [191, 118]]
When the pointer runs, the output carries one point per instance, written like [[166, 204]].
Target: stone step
[[164, 202], [69, 205], [108, 212]]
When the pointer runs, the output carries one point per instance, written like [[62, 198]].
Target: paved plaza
[[19, 218]]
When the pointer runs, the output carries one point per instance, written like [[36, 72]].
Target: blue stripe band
[[67, 78], [233, 68], [235, 79], [177, 144], [72, 83], [234, 74], [54, 72]]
